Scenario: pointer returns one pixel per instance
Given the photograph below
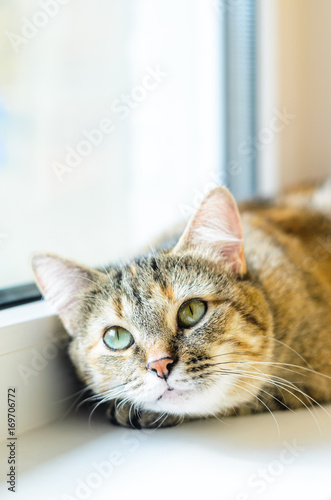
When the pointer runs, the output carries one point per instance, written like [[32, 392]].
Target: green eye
[[117, 338], [191, 312]]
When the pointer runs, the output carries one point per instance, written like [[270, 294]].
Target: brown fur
[[264, 343]]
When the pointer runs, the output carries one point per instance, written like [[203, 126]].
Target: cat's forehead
[[162, 279]]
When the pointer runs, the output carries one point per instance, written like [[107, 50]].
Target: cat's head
[[177, 331]]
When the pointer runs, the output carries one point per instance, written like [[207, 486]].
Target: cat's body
[[208, 328], [293, 266]]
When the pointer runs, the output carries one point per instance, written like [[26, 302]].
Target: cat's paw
[[127, 416]]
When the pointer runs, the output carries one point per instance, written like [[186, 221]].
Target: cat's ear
[[63, 283], [216, 230]]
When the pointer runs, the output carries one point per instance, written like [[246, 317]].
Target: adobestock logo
[[39, 358], [231, 170], [223, 6], [75, 155], [84, 488], [121, 107], [30, 27], [267, 475], [266, 135], [322, 252], [101, 472]]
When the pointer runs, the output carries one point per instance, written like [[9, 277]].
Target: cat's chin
[[177, 402], [172, 394], [171, 400], [192, 401]]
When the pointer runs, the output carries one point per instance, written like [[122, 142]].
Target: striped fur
[[265, 341]]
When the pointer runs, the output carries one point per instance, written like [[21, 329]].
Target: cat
[[235, 318]]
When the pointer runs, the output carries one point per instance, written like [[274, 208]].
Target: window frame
[[19, 295]]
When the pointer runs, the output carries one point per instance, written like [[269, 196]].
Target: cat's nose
[[161, 367]]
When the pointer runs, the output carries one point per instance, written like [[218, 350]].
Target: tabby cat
[[235, 318]]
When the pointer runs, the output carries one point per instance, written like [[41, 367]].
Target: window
[[110, 119], [116, 119]]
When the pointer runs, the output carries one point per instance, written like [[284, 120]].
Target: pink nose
[[161, 367]]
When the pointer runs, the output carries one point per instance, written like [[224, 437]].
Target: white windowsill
[[206, 459], [32, 355], [26, 312]]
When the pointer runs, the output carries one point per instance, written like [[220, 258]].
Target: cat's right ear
[[63, 283], [216, 231]]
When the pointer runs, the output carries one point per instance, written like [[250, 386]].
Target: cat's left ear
[[216, 231], [64, 283]]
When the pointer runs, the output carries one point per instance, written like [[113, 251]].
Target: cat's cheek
[[77, 353], [98, 361]]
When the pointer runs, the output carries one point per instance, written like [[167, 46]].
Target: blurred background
[[117, 117]]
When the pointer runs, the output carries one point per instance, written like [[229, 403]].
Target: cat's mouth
[[170, 392], [168, 389]]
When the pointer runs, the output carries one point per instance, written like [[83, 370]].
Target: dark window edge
[[19, 295]]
